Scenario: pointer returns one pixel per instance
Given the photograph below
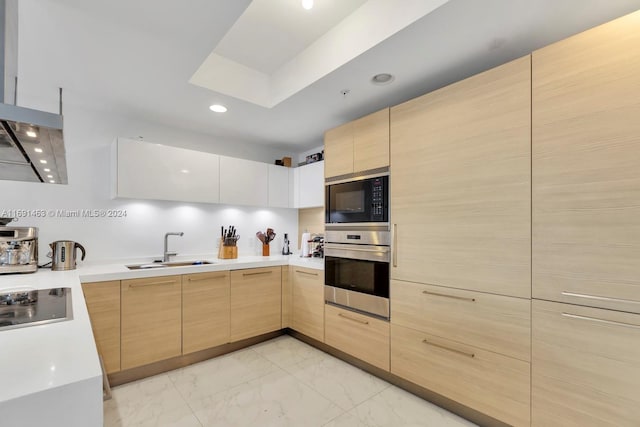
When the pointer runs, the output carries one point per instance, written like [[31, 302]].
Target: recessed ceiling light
[[307, 4], [52, 181], [31, 134], [382, 79], [47, 170], [38, 150], [184, 170], [49, 176], [217, 108], [44, 162]]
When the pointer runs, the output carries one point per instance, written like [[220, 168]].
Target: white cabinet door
[[145, 170], [311, 185], [279, 187], [243, 182]]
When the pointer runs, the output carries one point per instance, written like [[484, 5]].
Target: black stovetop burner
[[34, 307]]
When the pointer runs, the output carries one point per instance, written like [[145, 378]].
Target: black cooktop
[[34, 307]]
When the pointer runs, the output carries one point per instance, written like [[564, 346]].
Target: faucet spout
[[167, 254]]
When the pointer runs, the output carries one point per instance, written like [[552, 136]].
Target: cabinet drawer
[[586, 366], [488, 382], [361, 336], [491, 322], [308, 302]]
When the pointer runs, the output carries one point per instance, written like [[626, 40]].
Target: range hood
[[31, 141]]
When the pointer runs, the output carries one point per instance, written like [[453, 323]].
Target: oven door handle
[[371, 253]]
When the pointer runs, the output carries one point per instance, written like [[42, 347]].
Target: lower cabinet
[[586, 366], [103, 304], [488, 382], [206, 317], [151, 320], [308, 302], [287, 295], [256, 296], [358, 335]]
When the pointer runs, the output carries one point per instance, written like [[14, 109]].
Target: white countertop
[[57, 356]]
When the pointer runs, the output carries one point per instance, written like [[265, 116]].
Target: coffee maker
[[18, 249]]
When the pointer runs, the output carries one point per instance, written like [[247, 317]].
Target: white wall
[[88, 135]]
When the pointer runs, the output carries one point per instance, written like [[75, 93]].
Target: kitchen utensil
[[63, 256], [261, 236]]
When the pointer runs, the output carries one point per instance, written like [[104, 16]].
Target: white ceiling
[[137, 56]]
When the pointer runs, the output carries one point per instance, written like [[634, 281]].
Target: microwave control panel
[[377, 200]]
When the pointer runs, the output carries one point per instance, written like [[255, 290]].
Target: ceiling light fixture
[[217, 108], [52, 181], [44, 162], [38, 150], [31, 134], [49, 176], [47, 170], [307, 4], [382, 79], [184, 170]]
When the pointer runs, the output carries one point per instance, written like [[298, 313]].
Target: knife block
[[227, 252]]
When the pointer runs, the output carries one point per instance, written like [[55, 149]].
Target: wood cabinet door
[[491, 383], [103, 304], [460, 184], [151, 320], [256, 296], [206, 315], [308, 302], [338, 151], [585, 366], [358, 335], [586, 168], [371, 141]]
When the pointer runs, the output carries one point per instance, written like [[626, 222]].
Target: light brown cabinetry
[[483, 380], [151, 320], [103, 304], [287, 297], [255, 302], [361, 336], [308, 302], [460, 187], [206, 316], [491, 322], [357, 146], [586, 174], [586, 368]]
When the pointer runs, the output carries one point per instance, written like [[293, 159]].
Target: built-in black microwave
[[364, 200]]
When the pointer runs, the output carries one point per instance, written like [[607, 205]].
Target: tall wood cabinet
[[460, 184], [206, 315], [103, 305], [586, 228], [151, 320], [357, 146]]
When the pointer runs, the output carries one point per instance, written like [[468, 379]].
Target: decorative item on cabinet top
[[144, 170]]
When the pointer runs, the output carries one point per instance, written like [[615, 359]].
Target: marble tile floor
[[281, 382]]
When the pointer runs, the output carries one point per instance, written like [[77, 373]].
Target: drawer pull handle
[[571, 294], [449, 296], [364, 322], [306, 272], [395, 245], [258, 272], [464, 353], [139, 285], [200, 279], [608, 322]]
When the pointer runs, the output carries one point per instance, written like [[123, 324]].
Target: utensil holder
[[227, 252], [265, 250]]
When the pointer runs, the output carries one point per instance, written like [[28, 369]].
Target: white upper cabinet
[[243, 182], [279, 195], [144, 170], [311, 185]]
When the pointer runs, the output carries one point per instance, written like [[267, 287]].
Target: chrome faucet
[[168, 254]]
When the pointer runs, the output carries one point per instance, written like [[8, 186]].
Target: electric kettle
[[63, 255]]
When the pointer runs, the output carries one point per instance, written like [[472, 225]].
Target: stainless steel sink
[[152, 265]]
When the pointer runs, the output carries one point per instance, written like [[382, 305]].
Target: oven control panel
[[377, 200]]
